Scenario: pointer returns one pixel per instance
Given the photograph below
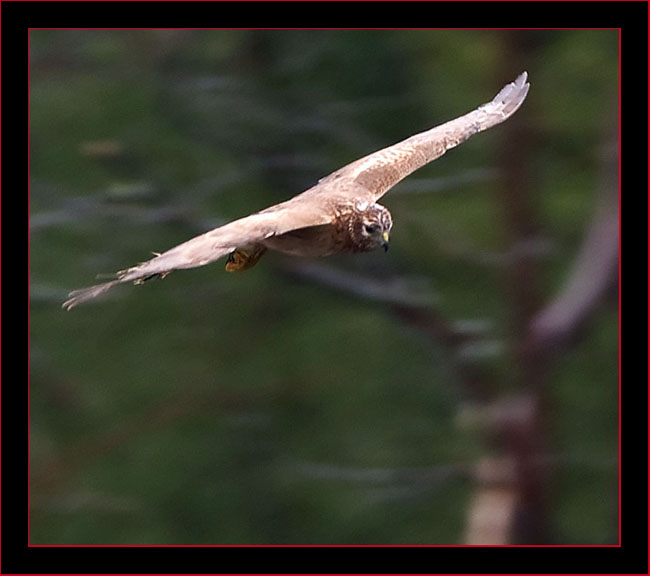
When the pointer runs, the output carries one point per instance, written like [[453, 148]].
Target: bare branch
[[408, 298], [396, 291], [594, 273]]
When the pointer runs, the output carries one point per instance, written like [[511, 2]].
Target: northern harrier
[[339, 214]]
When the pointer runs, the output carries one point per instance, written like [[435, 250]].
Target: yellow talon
[[239, 260]]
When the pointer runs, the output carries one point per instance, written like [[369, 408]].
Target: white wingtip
[[82, 295], [512, 95]]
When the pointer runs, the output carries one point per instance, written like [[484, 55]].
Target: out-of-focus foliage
[[259, 408]]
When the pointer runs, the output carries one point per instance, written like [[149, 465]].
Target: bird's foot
[[243, 259]]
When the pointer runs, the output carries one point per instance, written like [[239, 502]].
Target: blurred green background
[[346, 401]]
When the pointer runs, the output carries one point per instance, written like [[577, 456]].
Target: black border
[[17, 557]]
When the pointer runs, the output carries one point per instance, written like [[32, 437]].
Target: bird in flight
[[339, 214]]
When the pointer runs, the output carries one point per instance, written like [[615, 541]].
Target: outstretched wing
[[366, 179], [212, 245], [379, 172]]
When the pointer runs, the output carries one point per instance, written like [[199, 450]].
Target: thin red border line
[[28, 298], [619, 287], [362, 545], [314, 28], [322, 546]]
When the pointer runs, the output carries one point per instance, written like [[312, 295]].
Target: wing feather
[[380, 171], [215, 244]]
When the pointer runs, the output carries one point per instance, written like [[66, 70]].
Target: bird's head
[[370, 227]]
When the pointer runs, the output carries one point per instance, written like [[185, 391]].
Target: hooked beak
[[386, 238]]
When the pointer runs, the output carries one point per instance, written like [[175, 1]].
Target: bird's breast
[[311, 242]]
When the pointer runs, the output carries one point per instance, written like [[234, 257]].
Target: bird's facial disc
[[376, 226]]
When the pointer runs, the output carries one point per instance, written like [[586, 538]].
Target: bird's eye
[[371, 228]]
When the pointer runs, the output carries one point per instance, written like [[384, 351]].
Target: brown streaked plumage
[[339, 214]]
